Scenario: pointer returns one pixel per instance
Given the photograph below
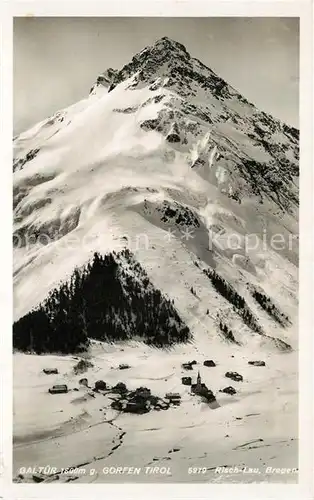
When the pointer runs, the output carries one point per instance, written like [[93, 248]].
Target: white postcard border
[[169, 8]]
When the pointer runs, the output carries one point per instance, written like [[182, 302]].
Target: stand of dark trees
[[268, 306], [227, 333], [228, 292], [110, 299]]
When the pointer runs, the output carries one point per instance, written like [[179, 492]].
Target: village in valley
[[182, 408], [141, 400]]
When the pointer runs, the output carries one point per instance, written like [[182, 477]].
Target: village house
[[209, 362], [173, 397], [228, 390], [186, 380], [50, 371], [234, 376], [188, 365], [100, 385], [137, 406], [142, 393], [119, 388], [257, 363], [84, 382], [58, 389]]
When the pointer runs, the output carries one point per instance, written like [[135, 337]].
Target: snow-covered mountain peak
[[156, 59], [167, 47], [158, 141], [238, 147]]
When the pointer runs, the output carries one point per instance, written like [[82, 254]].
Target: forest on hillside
[[110, 299], [227, 291], [271, 309]]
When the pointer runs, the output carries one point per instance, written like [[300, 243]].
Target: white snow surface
[[255, 428]]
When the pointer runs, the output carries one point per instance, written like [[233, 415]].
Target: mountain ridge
[[167, 48], [227, 128]]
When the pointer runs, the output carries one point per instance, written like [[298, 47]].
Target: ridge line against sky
[[57, 60]]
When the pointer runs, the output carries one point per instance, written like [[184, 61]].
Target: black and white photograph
[[155, 250]]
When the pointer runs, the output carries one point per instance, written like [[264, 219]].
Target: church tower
[[199, 380]]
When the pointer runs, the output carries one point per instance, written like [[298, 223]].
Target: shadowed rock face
[[149, 60], [19, 163]]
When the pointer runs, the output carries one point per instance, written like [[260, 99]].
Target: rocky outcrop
[[173, 134], [105, 80], [19, 163]]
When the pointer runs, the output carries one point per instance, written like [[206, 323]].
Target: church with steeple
[[201, 389], [199, 386], [199, 380]]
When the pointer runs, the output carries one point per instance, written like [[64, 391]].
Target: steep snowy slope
[[164, 116], [164, 157]]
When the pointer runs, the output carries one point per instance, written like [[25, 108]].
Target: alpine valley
[[156, 223]]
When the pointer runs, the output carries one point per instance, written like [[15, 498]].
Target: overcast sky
[[56, 60]]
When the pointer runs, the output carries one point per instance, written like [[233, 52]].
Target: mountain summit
[[248, 151], [164, 51], [212, 116]]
